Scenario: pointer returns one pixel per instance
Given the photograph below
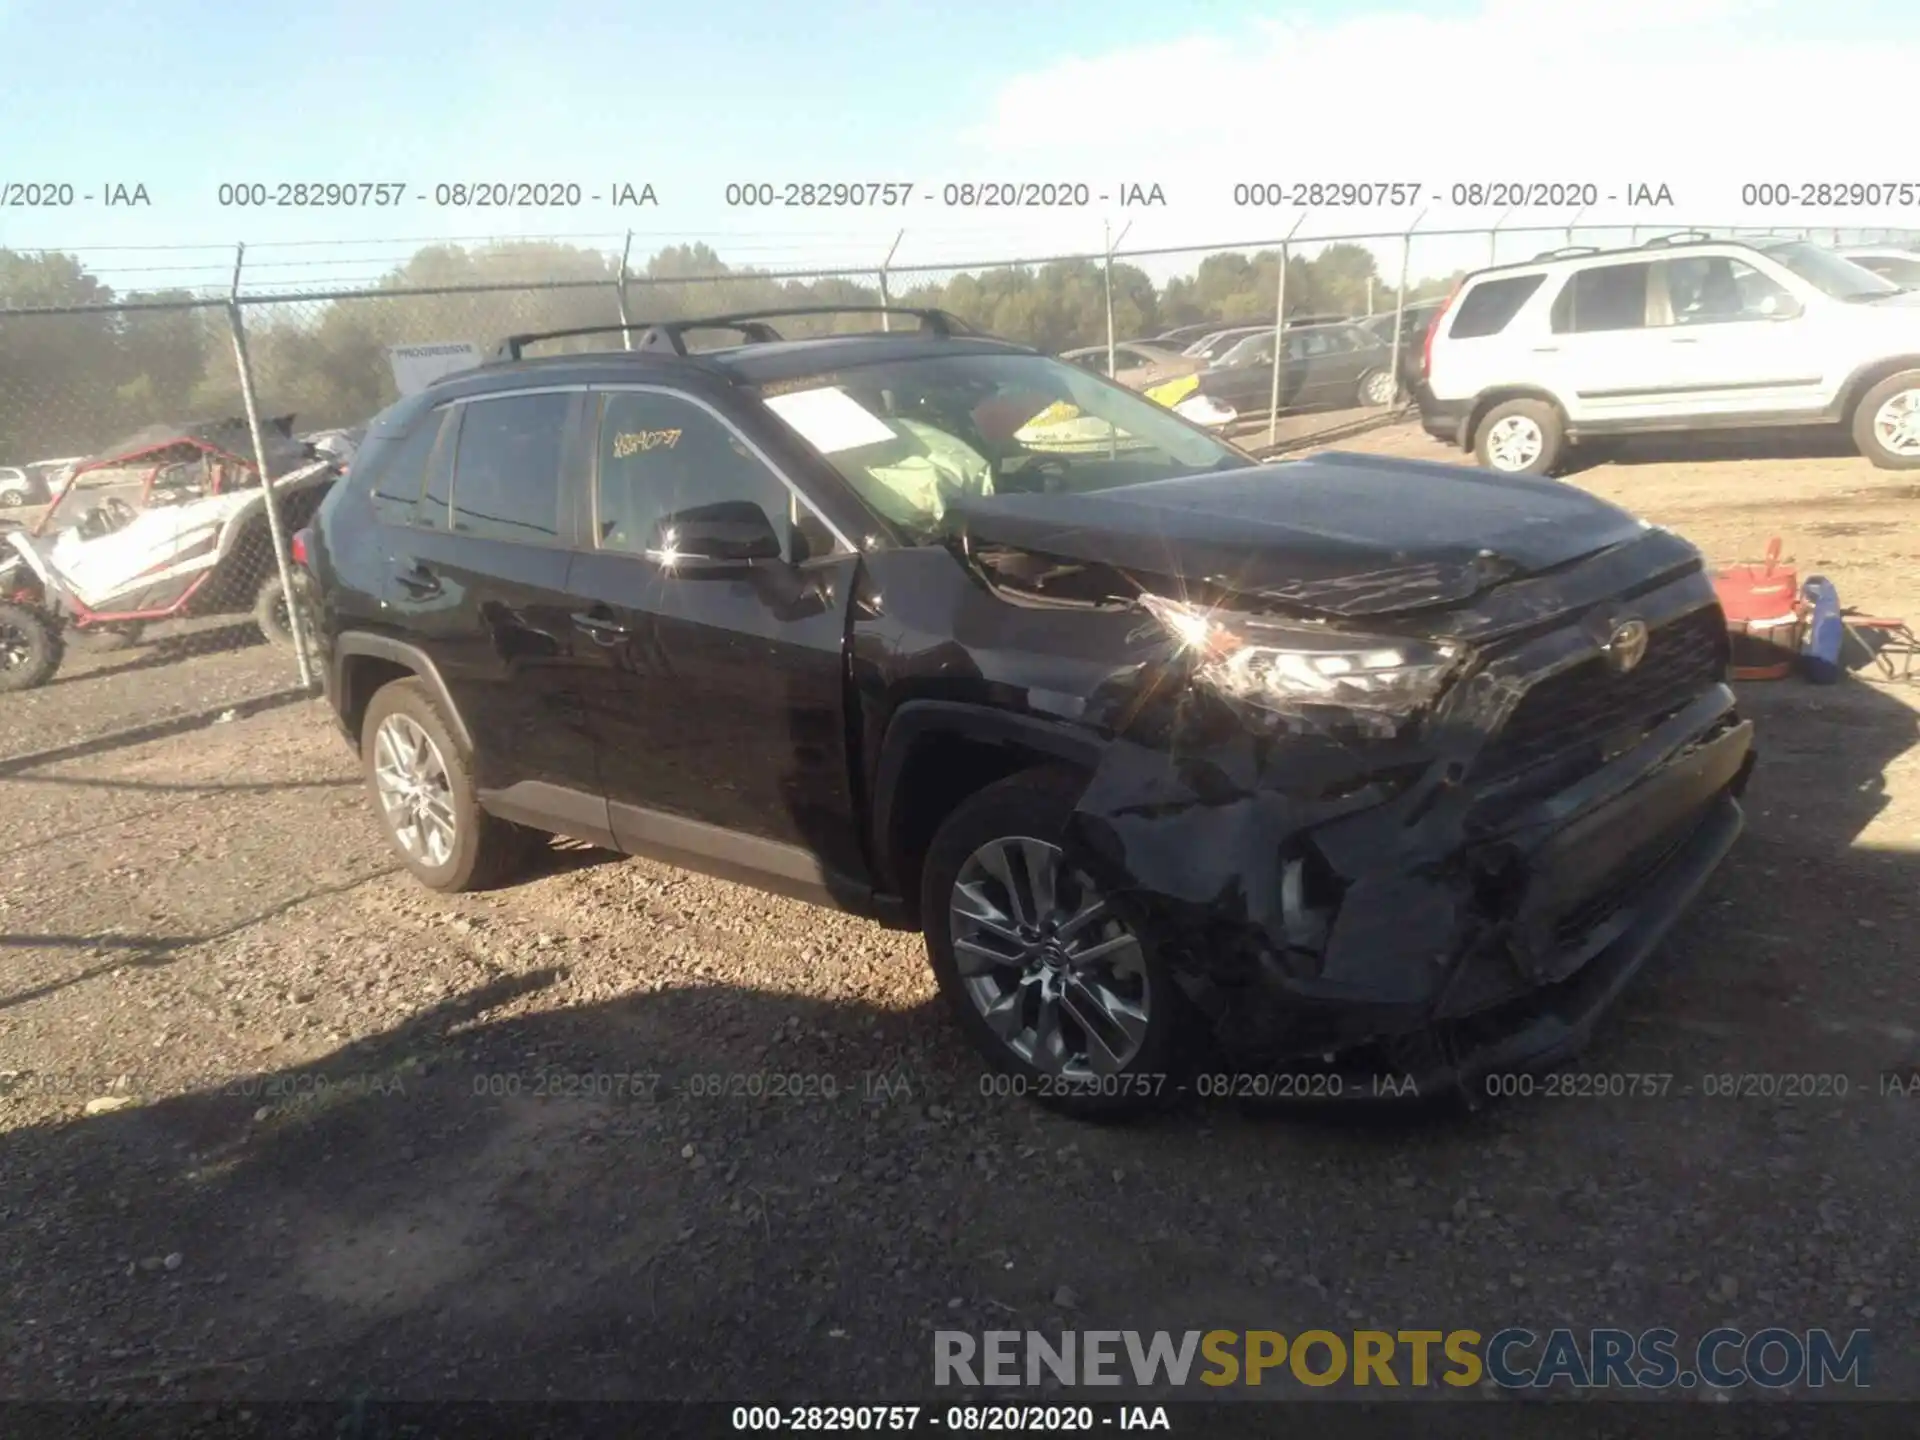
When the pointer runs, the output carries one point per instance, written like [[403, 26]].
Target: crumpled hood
[[1340, 533]]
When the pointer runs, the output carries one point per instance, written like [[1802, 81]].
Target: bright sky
[[1703, 96]]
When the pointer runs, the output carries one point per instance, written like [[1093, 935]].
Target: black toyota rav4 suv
[[1345, 767]]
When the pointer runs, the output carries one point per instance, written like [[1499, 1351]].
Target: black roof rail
[[670, 335], [1566, 250], [1681, 237]]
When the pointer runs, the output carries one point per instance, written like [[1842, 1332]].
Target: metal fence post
[[886, 300], [1400, 303], [1280, 331], [626, 320], [276, 531], [1112, 242]]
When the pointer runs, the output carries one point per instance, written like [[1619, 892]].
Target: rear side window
[[1488, 307], [1607, 297], [506, 474]]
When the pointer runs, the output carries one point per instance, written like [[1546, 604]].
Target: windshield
[[1833, 274], [912, 435]]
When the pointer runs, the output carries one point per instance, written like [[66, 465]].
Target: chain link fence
[[141, 554]]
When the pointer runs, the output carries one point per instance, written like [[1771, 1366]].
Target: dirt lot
[[347, 1137]]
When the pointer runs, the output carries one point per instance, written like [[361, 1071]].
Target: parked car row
[[1321, 764], [32, 484], [1326, 361], [1684, 334]]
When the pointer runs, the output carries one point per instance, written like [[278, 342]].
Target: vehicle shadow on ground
[[689, 1193], [146, 952], [153, 654], [1696, 447]]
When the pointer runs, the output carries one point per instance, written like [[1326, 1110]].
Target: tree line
[[74, 382]]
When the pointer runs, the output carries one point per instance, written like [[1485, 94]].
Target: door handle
[[601, 628], [1546, 349], [418, 580]]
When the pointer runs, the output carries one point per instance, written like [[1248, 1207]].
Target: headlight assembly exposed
[[1297, 670]]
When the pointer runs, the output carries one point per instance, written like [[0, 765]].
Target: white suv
[[1683, 333]]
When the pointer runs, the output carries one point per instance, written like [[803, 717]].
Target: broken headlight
[[1296, 669]]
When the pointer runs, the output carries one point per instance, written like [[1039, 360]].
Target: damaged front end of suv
[[1422, 819]]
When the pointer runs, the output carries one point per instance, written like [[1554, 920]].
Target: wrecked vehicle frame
[[1416, 909], [1379, 766]]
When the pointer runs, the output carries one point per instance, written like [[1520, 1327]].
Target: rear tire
[[1520, 437], [423, 792], [1375, 389], [31, 647], [1886, 422], [12, 499], [1026, 966]]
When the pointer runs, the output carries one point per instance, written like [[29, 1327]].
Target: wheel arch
[[1494, 395], [1866, 377], [365, 664], [937, 753]]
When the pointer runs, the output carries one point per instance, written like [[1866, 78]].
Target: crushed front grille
[[1583, 705]]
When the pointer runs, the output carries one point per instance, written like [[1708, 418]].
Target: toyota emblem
[[1627, 646]]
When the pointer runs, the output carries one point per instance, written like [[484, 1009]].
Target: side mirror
[[1782, 307], [730, 533]]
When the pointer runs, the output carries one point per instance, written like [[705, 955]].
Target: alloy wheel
[[1054, 972], [1896, 424], [1380, 389], [416, 796], [1514, 443]]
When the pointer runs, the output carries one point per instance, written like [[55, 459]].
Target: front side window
[[506, 473], [1713, 289], [912, 436], [661, 454]]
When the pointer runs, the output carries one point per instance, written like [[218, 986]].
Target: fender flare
[[915, 721], [1859, 380], [409, 657]]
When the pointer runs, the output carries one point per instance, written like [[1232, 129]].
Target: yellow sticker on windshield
[[632, 442]]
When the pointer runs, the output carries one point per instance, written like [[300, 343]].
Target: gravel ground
[[275, 1122]]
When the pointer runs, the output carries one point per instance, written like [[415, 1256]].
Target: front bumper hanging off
[[1463, 946]]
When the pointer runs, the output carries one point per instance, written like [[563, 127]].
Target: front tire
[[1886, 422], [423, 791], [31, 647], [1520, 437], [12, 499], [1054, 987]]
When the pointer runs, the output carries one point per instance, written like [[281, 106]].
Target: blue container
[[1826, 631]]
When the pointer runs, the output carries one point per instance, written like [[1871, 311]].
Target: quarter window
[[397, 483], [1488, 307]]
